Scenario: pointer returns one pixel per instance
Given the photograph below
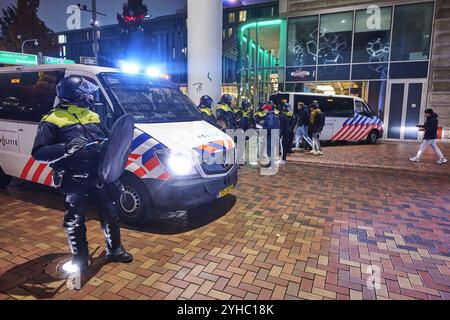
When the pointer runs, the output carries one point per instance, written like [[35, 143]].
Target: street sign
[[88, 60], [52, 60], [18, 58]]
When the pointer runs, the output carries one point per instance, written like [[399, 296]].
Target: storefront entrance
[[405, 103]]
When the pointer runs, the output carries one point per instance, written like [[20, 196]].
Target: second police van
[[347, 118], [166, 168]]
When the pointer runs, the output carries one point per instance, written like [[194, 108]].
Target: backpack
[[320, 122]]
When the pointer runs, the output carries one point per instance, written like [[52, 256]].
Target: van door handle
[[20, 130]]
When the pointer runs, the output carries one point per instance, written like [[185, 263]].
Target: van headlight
[[179, 164]]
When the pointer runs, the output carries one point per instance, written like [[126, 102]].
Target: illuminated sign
[[18, 58], [52, 60]]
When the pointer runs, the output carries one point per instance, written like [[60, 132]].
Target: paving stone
[[319, 229]]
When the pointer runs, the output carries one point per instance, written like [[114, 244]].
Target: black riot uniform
[[205, 107], [62, 139], [290, 117], [248, 118], [225, 114]]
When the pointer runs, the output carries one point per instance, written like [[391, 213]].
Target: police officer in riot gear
[[225, 114], [248, 119], [290, 129], [260, 114], [63, 137], [205, 108]]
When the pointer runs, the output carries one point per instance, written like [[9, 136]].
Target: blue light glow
[[130, 67]]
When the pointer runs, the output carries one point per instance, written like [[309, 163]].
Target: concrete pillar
[[204, 24]]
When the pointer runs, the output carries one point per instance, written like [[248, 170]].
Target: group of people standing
[[303, 125]]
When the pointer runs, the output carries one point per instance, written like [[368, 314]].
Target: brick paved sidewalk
[[310, 232]]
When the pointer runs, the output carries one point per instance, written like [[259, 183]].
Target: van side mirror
[[100, 109]]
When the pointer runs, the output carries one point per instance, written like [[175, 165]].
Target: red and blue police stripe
[[357, 128]]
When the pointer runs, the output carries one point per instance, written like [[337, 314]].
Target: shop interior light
[[325, 88]]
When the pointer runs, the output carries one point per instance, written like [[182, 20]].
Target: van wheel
[[4, 179], [134, 205], [372, 137]]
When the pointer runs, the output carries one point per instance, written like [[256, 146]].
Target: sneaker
[[441, 161], [313, 151], [320, 152], [282, 161], [414, 159], [295, 149]]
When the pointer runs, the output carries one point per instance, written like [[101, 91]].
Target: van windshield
[[147, 101]]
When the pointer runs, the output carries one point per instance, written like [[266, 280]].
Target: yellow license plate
[[228, 190]]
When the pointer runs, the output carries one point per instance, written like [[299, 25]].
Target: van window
[[9, 96], [37, 93], [362, 109], [28, 96], [340, 107], [147, 101]]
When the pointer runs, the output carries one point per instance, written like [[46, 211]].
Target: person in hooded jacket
[[430, 136]]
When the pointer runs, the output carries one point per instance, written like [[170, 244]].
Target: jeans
[[316, 141], [302, 133], [424, 146]]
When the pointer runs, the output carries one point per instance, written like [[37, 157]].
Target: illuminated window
[[231, 17], [230, 32], [62, 38], [243, 16]]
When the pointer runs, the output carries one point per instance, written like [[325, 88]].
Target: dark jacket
[[270, 121], [60, 126], [248, 120], [303, 118], [283, 125], [431, 127]]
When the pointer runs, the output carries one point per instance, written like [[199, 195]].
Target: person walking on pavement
[[62, 137], [302, 122], [316, 122], [431, 128]]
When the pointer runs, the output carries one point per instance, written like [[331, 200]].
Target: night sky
[[53, 12]]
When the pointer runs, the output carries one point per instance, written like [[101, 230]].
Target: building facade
[[165, 42], [394, 54]]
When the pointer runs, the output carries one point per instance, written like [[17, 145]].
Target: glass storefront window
[[334, 72], [231, 17], [242, 15], [335, 38], [412, 32], [302, 41], [370, 71], [372, 38]]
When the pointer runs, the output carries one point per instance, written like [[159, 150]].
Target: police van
[[347, 118], [169, 166]]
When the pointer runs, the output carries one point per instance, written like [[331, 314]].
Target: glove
[[75, 145]]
